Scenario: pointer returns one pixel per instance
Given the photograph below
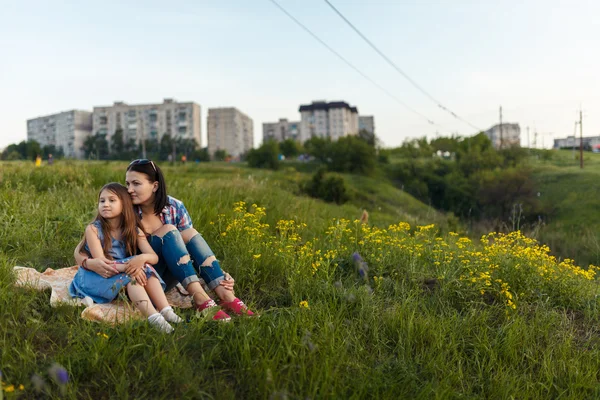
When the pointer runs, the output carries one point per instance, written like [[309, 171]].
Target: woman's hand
[[134, 265], [228, 283], [102, 266], [140, 277]]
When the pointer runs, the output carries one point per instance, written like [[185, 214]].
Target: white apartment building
[[571, 142], [366, 123], [66, 130], [150, 121], [328, 120], [281, 130], [505, 135], [229, 129]]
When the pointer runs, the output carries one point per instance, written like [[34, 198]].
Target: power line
[[430, 121], [415, 84]]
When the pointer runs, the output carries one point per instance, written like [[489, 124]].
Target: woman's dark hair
[[154, 174]]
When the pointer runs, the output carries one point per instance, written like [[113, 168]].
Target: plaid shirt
[[174, 213]]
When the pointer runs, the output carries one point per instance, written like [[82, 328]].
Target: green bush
[[330, 188], [266, 156]]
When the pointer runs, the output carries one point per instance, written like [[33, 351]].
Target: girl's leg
[[156, 294], [140, 299]]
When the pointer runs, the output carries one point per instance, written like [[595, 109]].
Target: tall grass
[[431, 319]]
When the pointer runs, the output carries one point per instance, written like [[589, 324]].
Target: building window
[[182, 130]]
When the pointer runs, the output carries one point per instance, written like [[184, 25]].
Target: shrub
[[330, 188], [266, 156]]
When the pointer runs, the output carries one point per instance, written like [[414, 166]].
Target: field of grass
[[438, 316], [573, 226]]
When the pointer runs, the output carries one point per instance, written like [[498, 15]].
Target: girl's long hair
[[130, 222]]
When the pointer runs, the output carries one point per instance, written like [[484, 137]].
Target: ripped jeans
[[173, 266]]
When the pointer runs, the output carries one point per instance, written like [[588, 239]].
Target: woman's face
[[140, 188]]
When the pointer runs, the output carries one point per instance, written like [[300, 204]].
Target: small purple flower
[[361, 265], [59, 374]]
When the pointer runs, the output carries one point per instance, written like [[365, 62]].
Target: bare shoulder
[[91, 228]]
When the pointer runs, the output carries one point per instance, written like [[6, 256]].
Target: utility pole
[[528, 146], [580, 138], [535, 139], [543, 145], [501, 127], [574, 138]]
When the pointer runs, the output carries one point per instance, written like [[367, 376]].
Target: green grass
[[572, 229], [403, 339]]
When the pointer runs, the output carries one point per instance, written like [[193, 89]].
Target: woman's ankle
[[200, 297], [225, 295]]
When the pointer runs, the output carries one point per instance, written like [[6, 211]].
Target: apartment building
[[150, 121], [328, 120], [229, 129], [281, 130], [65, 130], [505, 135], [366, 123]]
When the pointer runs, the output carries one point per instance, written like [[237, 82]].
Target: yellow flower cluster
[[502, 268]]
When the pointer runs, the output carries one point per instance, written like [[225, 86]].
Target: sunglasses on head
[[142, 161]]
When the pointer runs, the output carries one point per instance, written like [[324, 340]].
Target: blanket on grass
[[113, 313]]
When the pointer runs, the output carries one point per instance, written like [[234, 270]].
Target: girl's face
[[109, 205], [140, 188]]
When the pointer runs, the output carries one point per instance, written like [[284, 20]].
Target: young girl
[[114, 234]]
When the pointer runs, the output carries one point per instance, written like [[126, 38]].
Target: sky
[[539, 60]]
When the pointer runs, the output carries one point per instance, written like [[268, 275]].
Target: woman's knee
[[163, 230], [208, 261]]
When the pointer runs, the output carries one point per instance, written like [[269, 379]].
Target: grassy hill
[[573, 227], [437, 316]]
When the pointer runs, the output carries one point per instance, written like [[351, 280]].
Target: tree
[[352, 154], [96, 146], [220, 155], [117, 145], [290, 148], [201, 154], [368, 137], [318, 148], [166, 147], [266, 156], [57, 152]]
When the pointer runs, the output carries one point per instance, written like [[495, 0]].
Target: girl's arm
[[147, 256], [101, 265], [91, 237]]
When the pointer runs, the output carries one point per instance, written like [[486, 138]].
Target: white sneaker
[[160, 323], [170, 315]]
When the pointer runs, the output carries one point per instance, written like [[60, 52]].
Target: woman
[[181, 249]]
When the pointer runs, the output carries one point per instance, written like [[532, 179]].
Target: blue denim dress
[[100, 289]]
